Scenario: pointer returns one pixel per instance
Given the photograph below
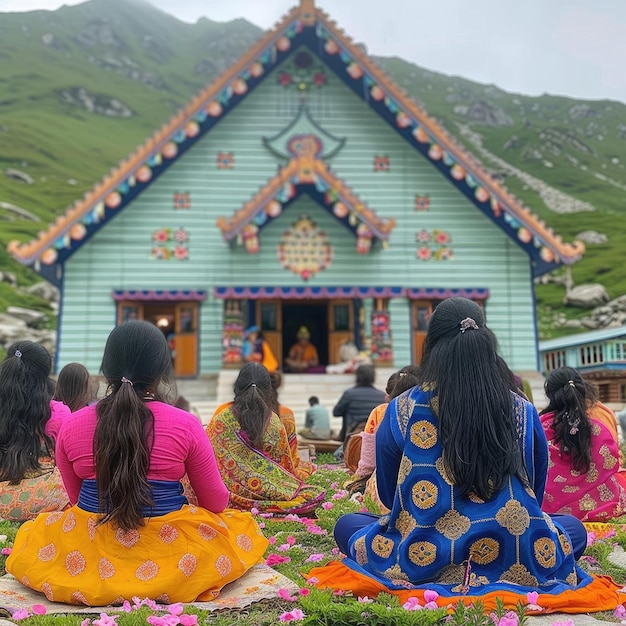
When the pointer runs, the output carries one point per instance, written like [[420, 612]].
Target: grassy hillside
[[82, 86]]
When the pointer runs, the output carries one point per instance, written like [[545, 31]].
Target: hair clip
[[467, 324], [18, 354], [571, 384], [127, 380]]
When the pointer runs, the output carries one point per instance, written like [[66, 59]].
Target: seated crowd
[[470, 487]]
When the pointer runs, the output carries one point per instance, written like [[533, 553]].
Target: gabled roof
[[579, 339], [309, 26], [310, 175]]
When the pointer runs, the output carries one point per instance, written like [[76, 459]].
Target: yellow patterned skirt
[[179, 557]]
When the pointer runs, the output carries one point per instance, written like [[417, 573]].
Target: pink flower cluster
[[292, 616], [430, 599], [37, 609], [285, 594]]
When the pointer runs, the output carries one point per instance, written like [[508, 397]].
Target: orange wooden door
[[421, 310], [129, 310], [269, 318], [341, 327], [186, 339]]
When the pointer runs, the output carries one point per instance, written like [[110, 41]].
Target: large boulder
[[44, 290], [31, 317], [587, 296]]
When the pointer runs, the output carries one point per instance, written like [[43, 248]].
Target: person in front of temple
[[461, 463], [584, 474], [303, 354]]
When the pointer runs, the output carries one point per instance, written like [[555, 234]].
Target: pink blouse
[[59, 412], [180, 447]]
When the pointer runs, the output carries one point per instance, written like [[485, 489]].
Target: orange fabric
[[375, 418], [601, 594], [269, 360], [288, 419], [603, 414], [303, 353]]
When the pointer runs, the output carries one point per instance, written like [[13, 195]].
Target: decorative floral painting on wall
[[434, 245], [169, 243]]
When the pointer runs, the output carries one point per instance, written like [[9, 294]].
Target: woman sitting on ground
[[364, 478], [75, 388], [29, 423], [130, 531], [459, 460], [288, 419], [584, 475], [253, 452]]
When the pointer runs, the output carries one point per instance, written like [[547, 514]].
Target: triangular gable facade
[[305, 25]]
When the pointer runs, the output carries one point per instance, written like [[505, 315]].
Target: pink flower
[[285, 594], [155, 620], [290, 540], [283, 547], [335, 551], [261, 524], [106, 620], [175, 609], [431, 606], [327, 506], [254, 511], [334, 485], [20, 614], [292, 517], [338, 592], [161, 236], [509, 619], [276, 559], [591, 538], [272, 541], [423, 236], [339, 495], [365, 599], [620, 612], [316, 530], [314, 558], [188, 620], [533, 598], [126, 607], [412, 604], [441, 236], [292, 616], [85, 622], [268, 515], [181, 253], [39, 609], [304, 591], [6, 551], [424, 253], [313, 580], [430, 595]]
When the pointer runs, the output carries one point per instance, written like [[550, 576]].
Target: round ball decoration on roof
[[331, 47], [214, 109], [49, 256], [435, 152], [377, 93], [421, 135], [113, 200], [274, 208], [256, 70], [403, 120], [354, 70], [457, 172], [340, 210], [481, 194], [170, 150], [283, 44], [546, 255], [78, 231], [144, 174], [192, 129], [239, 87], [524, 235]]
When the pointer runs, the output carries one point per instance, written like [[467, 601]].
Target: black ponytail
[[254, 401]]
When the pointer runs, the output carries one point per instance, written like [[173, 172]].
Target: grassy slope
[[59, 141]]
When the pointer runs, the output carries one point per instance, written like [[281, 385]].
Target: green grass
[[323, 607]]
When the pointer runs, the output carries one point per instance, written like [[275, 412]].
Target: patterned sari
[[265, 479], [593, 496], [303, 469], [40, 492], [433, 532]]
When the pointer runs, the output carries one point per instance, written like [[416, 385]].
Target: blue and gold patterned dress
[[433, 531]]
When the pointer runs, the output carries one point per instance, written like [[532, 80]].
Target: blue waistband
[[167, 496]]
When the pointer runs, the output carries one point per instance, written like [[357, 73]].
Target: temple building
[[302, 188]]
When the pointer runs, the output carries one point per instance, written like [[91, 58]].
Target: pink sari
[[594, 496]]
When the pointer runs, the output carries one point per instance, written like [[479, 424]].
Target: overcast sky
[[566, 47]]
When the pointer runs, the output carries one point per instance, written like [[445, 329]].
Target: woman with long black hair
[[131, 531], [29, 423], [461, 462], [584, 476]]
